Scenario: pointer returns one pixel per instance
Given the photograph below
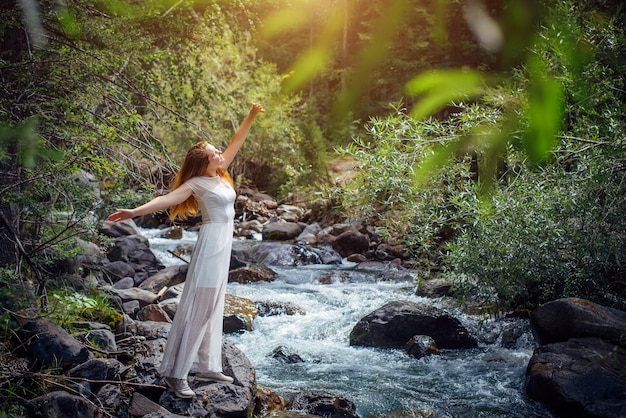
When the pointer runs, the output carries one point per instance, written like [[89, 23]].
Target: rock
[[323, 404], [145, 297], [141, 406], [282, 356], [435, 288], [278, 308], [135, 250], [239, 314], [153, 313], [49, 345], [174, 232], [309, 234], [152, 330], [582, 377], [267, 400], [219, 399], [567, 318], [119, 229], [125, 283], [110, 396], [394, 324], [97, 369], [101, 338], [421, 346], [281, 231], [252, 274], [117, 270], [168, 277], [351, 242], [60, 404]]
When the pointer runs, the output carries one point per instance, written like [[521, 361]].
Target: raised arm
[[240, 135], [174, 197]]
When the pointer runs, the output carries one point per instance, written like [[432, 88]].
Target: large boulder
[[583, 377], [395, 323], [49, 345], [567, 318]]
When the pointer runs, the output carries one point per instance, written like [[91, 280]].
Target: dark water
[[484, 382]]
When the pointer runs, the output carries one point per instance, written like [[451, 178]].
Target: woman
[[202, 184]]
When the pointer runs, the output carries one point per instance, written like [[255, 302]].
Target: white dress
[[195, 338]]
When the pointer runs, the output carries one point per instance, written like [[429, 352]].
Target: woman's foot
[[180, 387], [213, 377]]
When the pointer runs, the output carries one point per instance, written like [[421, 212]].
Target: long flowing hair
[[195, 164]]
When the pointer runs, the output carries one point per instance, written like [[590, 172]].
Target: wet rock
[[282, 356], [60, 404], [323, 404], [395, 323], [49, 345], [421, 346], [567, 318], [239, 314], [252, 274], [267, 400], [267, 308], [174, 232], [583, 377]]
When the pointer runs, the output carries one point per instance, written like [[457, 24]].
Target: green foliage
[[68, 307], [426, 217], [559, 230]]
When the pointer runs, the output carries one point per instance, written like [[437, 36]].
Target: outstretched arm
[[175, 197], [240, 135]]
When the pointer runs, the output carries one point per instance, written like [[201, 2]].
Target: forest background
[[487, 137]]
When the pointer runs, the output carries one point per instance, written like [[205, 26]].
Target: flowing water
[[487, 381]]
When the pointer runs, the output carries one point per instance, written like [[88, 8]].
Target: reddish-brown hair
[[195, 164]]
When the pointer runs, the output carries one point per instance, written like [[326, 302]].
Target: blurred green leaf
[[442, 87]]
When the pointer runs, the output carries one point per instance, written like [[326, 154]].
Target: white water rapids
[[484, 382]]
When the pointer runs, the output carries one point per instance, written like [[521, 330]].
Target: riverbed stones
[[395, 323]]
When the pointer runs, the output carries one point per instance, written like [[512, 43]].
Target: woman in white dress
[[202, 184]]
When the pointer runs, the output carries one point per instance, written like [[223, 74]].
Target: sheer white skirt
[[195, 338]]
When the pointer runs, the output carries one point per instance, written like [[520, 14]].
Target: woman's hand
[[121, 214], [256, 108]]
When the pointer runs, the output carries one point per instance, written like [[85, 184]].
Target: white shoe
[[180, 387], [214, 377]]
